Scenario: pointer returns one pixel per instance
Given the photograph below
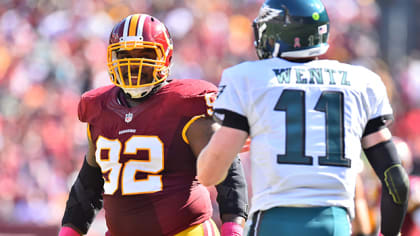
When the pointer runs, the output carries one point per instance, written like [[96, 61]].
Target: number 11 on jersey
[[292, 102]]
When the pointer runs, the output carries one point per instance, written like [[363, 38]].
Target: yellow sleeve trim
[[184, 130], [88, 132]]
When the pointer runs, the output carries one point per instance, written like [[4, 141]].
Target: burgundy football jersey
[[149, 169]]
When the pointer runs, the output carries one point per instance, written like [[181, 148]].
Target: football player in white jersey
[[308, 121]]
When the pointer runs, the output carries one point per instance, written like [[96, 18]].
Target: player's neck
[[134, 102], [128, 101]]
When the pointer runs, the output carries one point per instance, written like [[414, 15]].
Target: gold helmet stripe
[[133, 25]]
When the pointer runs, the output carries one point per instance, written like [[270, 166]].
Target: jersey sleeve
[[88, 108], [200, 99], [202, 105], [380, 114], [229, 108], [82, 110]]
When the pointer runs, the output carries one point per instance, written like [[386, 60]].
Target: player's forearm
[[85, 199], [216, 158], [384, 159], [210, 170], [392, 215], [232, 194]]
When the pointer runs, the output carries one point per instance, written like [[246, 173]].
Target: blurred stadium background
[[51, 51]]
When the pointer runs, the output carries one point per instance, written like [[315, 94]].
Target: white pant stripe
[[208, 227], [257, 223]]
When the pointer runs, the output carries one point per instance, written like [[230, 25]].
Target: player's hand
[[231, 229], [67, 231]]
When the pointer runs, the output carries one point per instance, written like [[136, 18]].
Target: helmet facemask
[[137, 75]]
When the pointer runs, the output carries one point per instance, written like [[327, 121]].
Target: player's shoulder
[[92, 102], [367, 77], [98, 94], [237, 72], [188, 87], [367, 74], [359, 74], [189, 97], [359, 69]]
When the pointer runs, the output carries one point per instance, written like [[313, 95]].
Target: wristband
[[67, 231], [231, 229]]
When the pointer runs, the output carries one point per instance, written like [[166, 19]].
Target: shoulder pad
[[91, 102]]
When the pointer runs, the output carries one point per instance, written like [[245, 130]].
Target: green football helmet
[[292, 29]]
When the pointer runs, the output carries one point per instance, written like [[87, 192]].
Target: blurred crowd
[[51, 51]]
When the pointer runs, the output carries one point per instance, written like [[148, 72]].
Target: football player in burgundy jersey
[[145, 133]]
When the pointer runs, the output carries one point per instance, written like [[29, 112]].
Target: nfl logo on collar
[[128, 117]]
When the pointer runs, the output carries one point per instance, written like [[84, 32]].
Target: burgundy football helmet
[[139, 31]]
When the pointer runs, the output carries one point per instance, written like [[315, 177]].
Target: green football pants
[[296, 221]]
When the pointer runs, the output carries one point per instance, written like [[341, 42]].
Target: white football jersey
[[306, 122]]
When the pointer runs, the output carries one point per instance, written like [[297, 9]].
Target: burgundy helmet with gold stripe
[[139, 31]]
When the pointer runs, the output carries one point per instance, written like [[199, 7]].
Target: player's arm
[[232, 193], [215, 159], [382, 156], [85, 198]]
